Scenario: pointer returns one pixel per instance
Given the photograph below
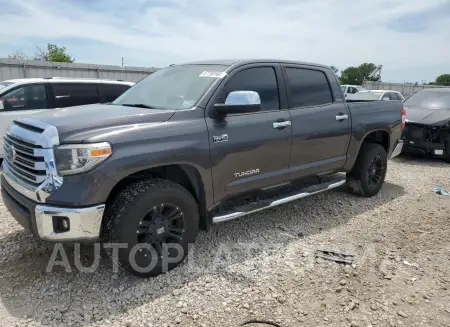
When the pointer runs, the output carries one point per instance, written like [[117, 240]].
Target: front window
[[175, 87], [429, 100]]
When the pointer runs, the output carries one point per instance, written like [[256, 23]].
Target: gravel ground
[[399, 278]]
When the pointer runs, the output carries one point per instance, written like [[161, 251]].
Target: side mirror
[[239, 102]]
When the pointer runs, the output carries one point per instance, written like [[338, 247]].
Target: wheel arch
[[380, 136], [183, 174]]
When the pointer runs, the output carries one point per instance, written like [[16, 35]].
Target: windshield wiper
[[138, 105]]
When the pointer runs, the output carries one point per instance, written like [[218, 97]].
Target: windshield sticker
[[213, 74], [188, 102]]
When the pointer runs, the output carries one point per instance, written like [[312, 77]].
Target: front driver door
[[250, 151]]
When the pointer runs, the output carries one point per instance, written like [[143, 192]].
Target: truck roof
[[64, 80], [239, 62]]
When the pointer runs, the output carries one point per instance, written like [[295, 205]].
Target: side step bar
[[307, 191]]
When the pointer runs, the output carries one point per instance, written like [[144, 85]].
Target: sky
[[410, 38]]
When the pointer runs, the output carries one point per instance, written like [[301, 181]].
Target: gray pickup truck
[[189, 146]]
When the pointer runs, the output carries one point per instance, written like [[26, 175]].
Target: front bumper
[[46, 222], [397, 150], [425, 148]]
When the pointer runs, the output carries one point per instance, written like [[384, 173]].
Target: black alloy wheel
[[162, 225], [375, 171]]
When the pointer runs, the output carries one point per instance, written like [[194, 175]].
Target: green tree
[[357, 75], [443, 79], [54, 53]]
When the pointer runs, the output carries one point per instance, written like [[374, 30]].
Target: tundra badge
[[247, 173]]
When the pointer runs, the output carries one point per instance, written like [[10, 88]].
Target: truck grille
[[24, 160]]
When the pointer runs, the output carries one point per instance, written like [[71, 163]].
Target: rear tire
[[368, 174], [152, 214]]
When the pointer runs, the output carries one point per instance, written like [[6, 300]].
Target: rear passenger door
[[110, 92], [320, 122], [75, 94]]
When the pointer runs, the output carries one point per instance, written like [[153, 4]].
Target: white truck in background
[[351, 89]]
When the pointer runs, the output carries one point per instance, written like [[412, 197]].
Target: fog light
[[65, 224], [61, 224], [439, 152]]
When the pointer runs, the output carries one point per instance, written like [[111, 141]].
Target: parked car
[[351, 89], [189, 146], [385, 95], [427, 129], [20, 98]]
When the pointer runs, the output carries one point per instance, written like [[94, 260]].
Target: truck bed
[[371, 115]]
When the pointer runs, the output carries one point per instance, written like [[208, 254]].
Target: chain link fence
[[404, 88]]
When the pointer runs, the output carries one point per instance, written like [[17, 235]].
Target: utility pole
[[122, 61]]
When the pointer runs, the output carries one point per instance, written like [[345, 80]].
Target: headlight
[[78, 158]]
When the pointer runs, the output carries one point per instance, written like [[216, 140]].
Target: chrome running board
[[307, 191]]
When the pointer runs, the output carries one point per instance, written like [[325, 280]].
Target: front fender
[[182, 142]]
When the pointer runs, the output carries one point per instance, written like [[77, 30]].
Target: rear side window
[[395, 96], [26, 97], [386, 96], [308, 87], [112, 91], [262, 80], [71, 94]]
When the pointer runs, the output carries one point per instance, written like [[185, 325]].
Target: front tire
[[157, 220], [368, 174]]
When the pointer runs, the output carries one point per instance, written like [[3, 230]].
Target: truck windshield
[[175, 87], [429, 100]]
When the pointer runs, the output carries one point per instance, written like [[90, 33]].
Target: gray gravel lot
[[400, 239]]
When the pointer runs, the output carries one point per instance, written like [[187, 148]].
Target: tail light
[[403, 118]]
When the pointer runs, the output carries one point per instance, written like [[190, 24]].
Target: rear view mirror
[[239, 102]]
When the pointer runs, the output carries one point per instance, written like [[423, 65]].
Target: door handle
[[341, 117], [282, 124]]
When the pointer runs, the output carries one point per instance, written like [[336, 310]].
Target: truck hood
[[427, 116], [76, 124]]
